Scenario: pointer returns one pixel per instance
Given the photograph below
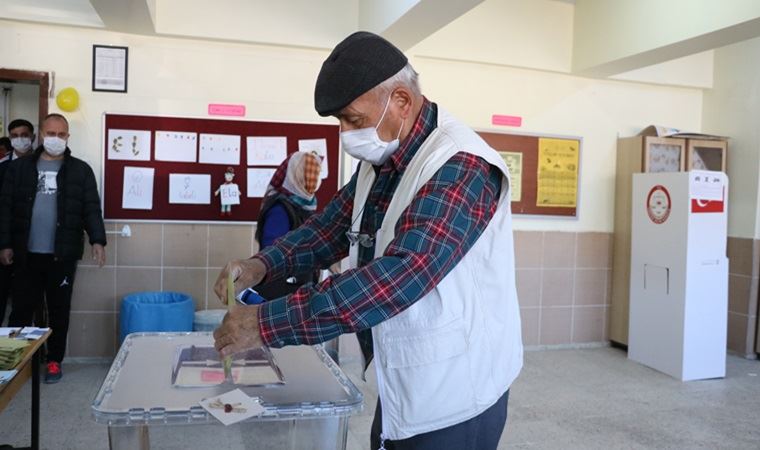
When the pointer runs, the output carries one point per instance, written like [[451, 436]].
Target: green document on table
[[11, 352]]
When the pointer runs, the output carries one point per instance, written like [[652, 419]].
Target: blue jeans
[[482, 432]]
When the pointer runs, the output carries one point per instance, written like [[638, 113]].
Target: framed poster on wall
[[109, 68]]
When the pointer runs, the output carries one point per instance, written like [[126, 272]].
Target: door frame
[[41, 79]]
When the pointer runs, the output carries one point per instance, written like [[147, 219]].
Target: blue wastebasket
[[156, 311]]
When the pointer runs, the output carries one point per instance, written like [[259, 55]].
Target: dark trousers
[[42, 278], [482, 432], [6, 274]]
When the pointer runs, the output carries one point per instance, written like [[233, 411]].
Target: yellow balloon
[[68, 99]]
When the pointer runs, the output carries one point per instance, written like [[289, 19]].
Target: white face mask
[[21, 144], [365, 144], [54, 145]]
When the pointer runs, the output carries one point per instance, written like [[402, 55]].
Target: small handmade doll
[[230, 194]]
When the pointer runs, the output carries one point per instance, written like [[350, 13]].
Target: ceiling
[[595, 38]]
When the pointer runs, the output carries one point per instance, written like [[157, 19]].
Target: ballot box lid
[[139, 390]]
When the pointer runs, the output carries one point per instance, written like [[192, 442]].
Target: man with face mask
[[47, 201], [21, 135], [426, 224]]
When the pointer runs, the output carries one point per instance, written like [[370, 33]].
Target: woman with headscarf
[[289, 200]]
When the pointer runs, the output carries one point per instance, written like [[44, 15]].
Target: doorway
[[23, 95]]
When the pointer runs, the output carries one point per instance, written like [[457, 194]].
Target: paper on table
[[318, 147], [258, 180], [220, 149], [137, 192], [240, 407], [32, 333], [129, 145], [557, 172], [7, 331], [7, 375], [189, 188], [266, 150], [176, 146], [513, 160]]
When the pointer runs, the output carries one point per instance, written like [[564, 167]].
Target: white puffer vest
[[453, 353]]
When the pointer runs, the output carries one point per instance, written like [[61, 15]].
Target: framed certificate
[[109, 68]]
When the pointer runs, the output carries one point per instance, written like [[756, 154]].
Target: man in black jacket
[[21, 134], [47, 201]]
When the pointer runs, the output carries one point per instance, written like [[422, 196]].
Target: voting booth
[[679, 273]]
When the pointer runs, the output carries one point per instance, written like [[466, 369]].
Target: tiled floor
[[564, 399]]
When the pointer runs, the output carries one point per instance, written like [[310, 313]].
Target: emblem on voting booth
[[658, 204]]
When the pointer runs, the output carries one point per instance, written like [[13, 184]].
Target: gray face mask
[[21, 144]]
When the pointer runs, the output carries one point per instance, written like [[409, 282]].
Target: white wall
[[694, 71], [166, 76], [732, 108], [522, 33], [180, 77], [550, 103], [304, 23], [655, 31]]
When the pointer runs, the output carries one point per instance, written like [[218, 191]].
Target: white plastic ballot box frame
[[137, 399], [679, 273]]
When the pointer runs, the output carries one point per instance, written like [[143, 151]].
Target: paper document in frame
[[557, 178], [257, 182], [219, 149], [189, 188], [129, 145], [176, 146], [137, 190], [266, 150], [514, 163]]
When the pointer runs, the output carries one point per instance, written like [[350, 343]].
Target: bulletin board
[[193, 155], [545, 172]]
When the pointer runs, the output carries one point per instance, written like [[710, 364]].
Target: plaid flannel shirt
[[437, 229]]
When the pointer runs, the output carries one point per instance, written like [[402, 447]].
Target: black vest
[[297, 216]]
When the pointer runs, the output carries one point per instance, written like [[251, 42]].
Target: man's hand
[[239, 330], [245, 272], [99, 254], [6, 256]]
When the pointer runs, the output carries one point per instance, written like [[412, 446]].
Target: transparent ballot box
[[152, 391]]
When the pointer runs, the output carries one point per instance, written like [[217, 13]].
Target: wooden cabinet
[[634, 155], [706, 155], [663, 154]]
